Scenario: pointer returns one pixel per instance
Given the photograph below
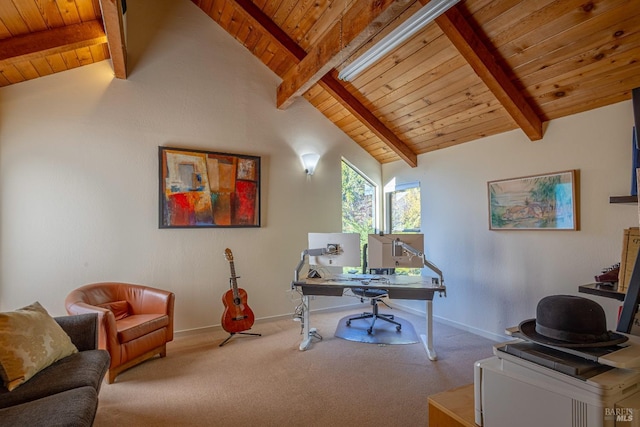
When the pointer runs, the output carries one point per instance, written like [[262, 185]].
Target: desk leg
[[428, 339], [306, 329]]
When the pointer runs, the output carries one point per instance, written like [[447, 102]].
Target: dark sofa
[[66, 392]]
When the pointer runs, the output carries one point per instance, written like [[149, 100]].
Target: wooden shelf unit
[[602, 291], [623, 199], [452, 408]]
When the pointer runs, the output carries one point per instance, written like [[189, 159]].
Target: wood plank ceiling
[[42, 37], [482, 68]]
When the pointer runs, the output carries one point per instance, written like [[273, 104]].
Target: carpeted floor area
[[267, 381]]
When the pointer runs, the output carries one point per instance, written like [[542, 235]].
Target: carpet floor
[[268, 381]]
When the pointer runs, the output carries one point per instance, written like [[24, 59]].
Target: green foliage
[[358, 209], [405, 210], [357, 203], [545, 189], [497, 211]]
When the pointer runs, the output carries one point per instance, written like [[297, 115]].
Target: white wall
[[79, 185], [79, 171], [495, 278]]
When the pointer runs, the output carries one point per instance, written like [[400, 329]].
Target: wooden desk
[[452, 408], [397, 287]]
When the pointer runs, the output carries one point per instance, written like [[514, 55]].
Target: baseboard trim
[[392, 303], [215, 328], [452, 323]]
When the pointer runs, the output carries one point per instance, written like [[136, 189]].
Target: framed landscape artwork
[[208, 189], [538, 202]]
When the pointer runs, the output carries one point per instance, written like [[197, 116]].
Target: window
[[403, 212], [358, 203]]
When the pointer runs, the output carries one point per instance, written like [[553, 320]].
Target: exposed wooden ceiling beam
[[329, 83], [114, 27], [464, 38], [347, 100], [45, 43], [362, 21], [253, 12]]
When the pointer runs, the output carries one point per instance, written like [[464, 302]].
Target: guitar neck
[[234, 281]]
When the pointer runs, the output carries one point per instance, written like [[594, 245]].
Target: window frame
[[376, 195], [388, 211]]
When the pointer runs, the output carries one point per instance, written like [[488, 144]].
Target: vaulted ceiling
[[483, 67]]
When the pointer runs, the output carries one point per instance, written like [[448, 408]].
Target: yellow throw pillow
[[30, 340]]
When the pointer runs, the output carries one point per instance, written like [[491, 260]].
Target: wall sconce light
[[310, 161]]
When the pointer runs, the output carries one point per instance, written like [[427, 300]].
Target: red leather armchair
[[135, 321]]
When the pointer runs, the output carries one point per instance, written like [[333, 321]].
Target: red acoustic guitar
[[237, 315]]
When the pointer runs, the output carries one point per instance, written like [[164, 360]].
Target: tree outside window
[[403, 214], [358, 203], [404, 209]]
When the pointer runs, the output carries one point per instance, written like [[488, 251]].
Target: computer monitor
[[388, 251], [334, 249]]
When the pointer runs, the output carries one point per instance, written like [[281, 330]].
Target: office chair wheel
[[348, 322], [398, 328], [370, 331]]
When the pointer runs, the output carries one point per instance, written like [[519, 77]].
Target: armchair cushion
[[30, 340], [138, 325]]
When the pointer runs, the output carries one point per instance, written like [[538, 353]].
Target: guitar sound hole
[[237, 301]]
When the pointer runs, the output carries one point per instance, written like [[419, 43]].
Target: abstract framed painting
[[537, 202], [208, 189]]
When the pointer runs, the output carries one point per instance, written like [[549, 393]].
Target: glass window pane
[[404, 215], [358, 203], [404, 206]]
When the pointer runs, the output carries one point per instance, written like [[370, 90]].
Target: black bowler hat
[[570, 321]]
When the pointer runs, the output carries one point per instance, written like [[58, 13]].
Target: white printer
[[531, 385]]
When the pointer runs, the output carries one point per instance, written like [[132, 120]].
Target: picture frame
[[208, 189], [536, 202]]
